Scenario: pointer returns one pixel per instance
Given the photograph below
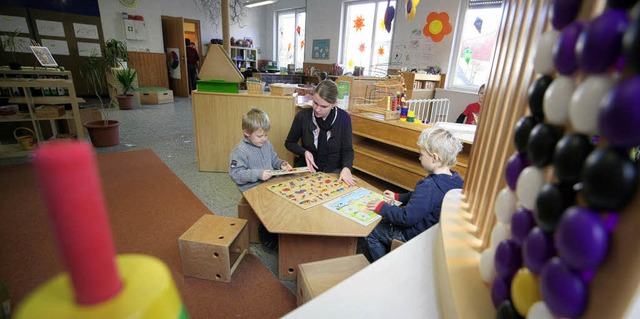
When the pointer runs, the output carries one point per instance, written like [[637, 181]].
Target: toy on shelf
[[97, 284], [380, 98]]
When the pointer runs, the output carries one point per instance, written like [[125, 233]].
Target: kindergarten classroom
[[142, 220]]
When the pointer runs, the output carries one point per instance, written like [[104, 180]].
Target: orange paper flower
[[289, 47], [380, 51], [361, 47], [437, 26], [358, 23]]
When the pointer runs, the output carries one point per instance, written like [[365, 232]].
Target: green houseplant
[[126, 78], [9, 43], [115, 53], [103, 132]]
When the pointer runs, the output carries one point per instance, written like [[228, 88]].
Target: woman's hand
[[373, 204], [389, 194], [311, 164], [266, 174], [285, 166], [345, 176]]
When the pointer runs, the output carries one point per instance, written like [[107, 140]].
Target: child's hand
[[285, 166], [311, 164], [389, 194], [373, 204], [266, 174]]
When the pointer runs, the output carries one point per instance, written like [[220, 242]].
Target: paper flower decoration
[[380, 51], [412, 7], [301, 44], [358, 23], [437, 26], [350, 63], [361, 47], [298, 30], [289, 47]]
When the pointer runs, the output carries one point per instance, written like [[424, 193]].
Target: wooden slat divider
[[151, 67]]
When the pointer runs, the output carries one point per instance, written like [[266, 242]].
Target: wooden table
[[305, 235]]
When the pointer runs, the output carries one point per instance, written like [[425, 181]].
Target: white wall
[[459, 101], [112, 26]]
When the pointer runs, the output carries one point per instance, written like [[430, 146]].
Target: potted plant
[[116, 53], [10, 43], [103, 132], [126, 78]]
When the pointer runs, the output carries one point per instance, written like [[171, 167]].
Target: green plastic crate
[[217, 86]]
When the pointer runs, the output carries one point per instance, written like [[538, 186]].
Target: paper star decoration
[[301, 44], [350, 63], [380, 51], [358, 23], [361, 47]]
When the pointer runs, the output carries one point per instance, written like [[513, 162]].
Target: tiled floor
[[168, 130]]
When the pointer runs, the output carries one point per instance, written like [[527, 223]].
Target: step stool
[[213, 247], [317, 277], [246, 212]]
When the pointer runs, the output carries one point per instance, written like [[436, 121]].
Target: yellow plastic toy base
[[148, 292]]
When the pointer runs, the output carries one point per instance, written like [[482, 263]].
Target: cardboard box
[[156, 96]]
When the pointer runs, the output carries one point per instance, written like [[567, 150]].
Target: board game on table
[[311, 190]]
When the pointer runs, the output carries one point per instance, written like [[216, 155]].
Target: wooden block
[[213, 247], [317, 277], [395, 244], [246, 212], [156, 97]]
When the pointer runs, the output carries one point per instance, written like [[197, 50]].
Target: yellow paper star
[[301, 44], [350, 63], [358, 23], [382, 24]]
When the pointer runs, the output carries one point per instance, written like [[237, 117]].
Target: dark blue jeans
[[379, 241]]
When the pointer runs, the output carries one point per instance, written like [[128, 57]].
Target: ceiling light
[[257, 3]]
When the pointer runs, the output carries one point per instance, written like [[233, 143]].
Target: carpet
[[149, 208]]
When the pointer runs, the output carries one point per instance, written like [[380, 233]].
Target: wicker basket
[[25, 137], [282, 89], [50, 110], [255, 87]]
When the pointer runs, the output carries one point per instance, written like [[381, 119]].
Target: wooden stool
[[395, 244], [213, 247], [317, 277], [246, 212]]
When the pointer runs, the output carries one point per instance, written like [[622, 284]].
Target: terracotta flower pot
[[126, 102], [102, 134]]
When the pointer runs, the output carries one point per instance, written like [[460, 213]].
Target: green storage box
[[217, 86]]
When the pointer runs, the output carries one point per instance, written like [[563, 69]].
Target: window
[[290, 38], [366, 42], [471, 64]]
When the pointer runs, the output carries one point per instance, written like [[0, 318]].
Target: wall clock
[[128, 3]]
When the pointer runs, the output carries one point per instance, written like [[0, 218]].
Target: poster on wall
[[173, 55], [89, 49], [13, 24], [56, 47], [86, 31], [44, 56], [50, 28], [320, 49]]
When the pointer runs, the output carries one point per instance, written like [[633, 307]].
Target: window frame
[[295, 12]]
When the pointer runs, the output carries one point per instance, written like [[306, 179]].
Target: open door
[[173, 37]]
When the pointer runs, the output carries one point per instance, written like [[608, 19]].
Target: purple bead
[[620, 114], [500, 291], [563, 12], [562, 290], [610, 221], [537, 249], [600, 42], [581, 238], [516, 163], [564, 51], [521, 224], [508, 259]]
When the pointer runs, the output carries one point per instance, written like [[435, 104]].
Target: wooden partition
[[151, 67]]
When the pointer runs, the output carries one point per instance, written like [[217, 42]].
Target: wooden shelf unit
[[21, 82], [421, 86], [244, 57], [388, 149]]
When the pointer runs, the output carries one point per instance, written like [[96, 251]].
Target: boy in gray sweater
[[253, 160]]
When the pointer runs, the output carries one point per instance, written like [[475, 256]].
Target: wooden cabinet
[[244, 57], [388, 149], [421, 86], [35, 87]]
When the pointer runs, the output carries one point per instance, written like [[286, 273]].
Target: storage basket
[[255, 87], [25, 137], [282, 89], [50, 110]]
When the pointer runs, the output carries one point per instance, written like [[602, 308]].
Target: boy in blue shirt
[[438, 152]]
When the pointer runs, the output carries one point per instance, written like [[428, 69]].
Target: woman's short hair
[[436, 140], [255, 119], [327, 90]]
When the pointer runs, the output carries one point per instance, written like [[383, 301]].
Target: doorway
[[174, 31]]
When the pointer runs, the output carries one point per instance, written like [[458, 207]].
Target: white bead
[[528, 186], [486, 265], [543, 58], [499, 233], [556, 100], [505, 205], [539, 310], [585, 103]]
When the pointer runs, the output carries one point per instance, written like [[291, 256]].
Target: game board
[[354, 205], [295, 170], [311, 190]]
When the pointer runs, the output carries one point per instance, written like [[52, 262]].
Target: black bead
[[569, 156], [536, 95], [542, 141], [506, 310], [609, 179], [622, 4], [551, 202], [521, 132], [631, 46]]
